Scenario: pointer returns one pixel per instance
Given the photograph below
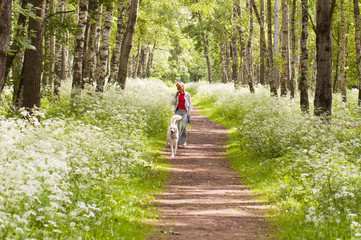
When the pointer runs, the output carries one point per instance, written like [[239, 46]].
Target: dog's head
[[173, 131]]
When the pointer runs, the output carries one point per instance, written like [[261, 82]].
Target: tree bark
[[206, 53], [285, 73], [249, 50], [323, 94], [127, 43], [271, 79], [293, 79], [150, 61], [275, 42], [104, 49], [304, 59], [243, 52], [79, 50], [358, 44], [235, 47], [118, 43], [228, 57], [48, 70], [59, 57], [262, 42], [5, 23], [344, 42], [33, 58]]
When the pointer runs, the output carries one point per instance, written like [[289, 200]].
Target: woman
[[182, 106]]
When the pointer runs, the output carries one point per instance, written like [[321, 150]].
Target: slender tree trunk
[[243, 48], [137, 61], [79, 50], [150, 62], [48, 70], [304, 59], [118, 43], [249, 50], [127, 43], [228, 59], [33, 58], [59, 56], [205, 42], [358, 44], [104, 49], [5, 23], [271, 79], [293, 78], [323, 93], [275, 41], [285, 73], [92, 49], [262, 51], [344, 42], [234, 46]]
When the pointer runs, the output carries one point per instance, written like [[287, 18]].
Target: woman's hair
[[180, 85]]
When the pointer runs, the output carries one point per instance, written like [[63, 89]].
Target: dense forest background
[[289, 45]]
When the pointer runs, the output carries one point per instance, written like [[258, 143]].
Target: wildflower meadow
[[309, 169], [86, 171]]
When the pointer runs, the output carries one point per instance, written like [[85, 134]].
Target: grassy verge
[[309, 170], [87, 172]]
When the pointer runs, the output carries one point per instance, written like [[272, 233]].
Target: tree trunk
[[262, 42], [243, 48], [293, 77], [358, 44], [323, 94], [104, 49], [118, 43], [150, 62], [79, 50], [285, 73], [235, 47], [92, 49], [59, 56], [275, 42], [228, 59], [5, 23], [33, 58], [271, 79], [48, 70], [137, 61], [344, 42], [205, 42], [249, 50], [127, 43], [304, 59]]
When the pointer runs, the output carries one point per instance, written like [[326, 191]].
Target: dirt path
[[205, 198]]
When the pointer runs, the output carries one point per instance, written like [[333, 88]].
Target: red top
[[181, 101]]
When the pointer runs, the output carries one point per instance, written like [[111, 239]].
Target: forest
[[84, 105]]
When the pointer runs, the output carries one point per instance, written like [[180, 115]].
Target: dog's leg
[[172, 150]]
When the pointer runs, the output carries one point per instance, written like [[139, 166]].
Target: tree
[[304, 59], [118, 43], [272, 80], [293, 51], [262, 51], [127, 43], [206, 52], [358, 44], [344, 42], [323, 93], [33, 58], [5, 23], [79, 50], [285, 73], [104, 48], [234, 46], [275, 42]]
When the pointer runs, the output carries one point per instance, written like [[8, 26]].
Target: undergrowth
[[309, 170], [87, 171]]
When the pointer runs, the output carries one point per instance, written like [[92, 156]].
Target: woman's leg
[[183, 129]]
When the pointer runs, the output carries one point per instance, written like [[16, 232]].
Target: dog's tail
[[175, 118]]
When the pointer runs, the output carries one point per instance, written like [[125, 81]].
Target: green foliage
[[88, 172], [310, 170]]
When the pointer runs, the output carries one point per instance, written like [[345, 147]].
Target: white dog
[[173, 134]]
